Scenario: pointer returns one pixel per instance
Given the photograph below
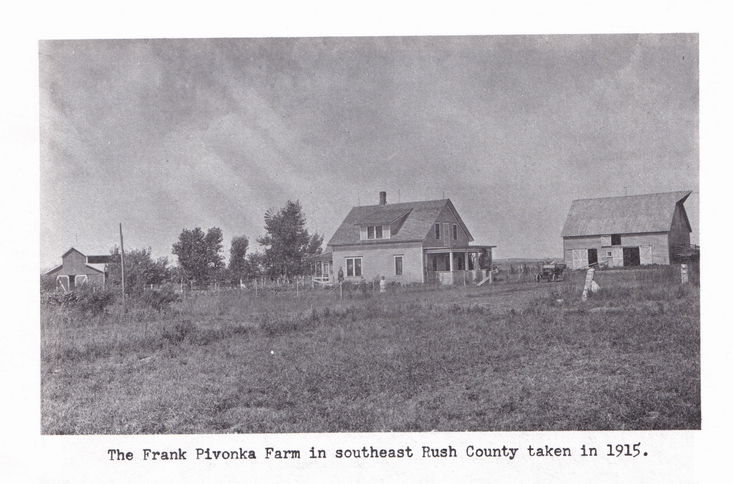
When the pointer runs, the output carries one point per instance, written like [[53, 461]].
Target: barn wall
[[96, 279], [658, 241], [75, 263], [378, 260], [680, 233]]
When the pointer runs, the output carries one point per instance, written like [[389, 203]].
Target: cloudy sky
[[161, 135]]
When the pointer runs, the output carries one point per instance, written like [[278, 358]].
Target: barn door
[[62, 283], [580, 258], [645, 254], [618, 256], [80, 281]]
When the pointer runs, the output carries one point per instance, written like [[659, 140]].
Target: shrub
[[48, 284], [180, 331], [160, 299], [94, 302], [59, 299]]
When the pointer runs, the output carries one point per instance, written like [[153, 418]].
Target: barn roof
[[419, 220], [624, 215]]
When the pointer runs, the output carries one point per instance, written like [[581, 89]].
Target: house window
[[374, 231], [398, 265], [437, 231], [609, 253], [353, 267], [616, 240], [455, 231]]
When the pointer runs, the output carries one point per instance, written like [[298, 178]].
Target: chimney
[[383, 198]]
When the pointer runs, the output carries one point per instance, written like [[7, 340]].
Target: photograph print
[[369, 234]]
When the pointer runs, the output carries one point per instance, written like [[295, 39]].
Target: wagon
[[551, 272]]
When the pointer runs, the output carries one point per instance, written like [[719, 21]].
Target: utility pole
[[122, 266]]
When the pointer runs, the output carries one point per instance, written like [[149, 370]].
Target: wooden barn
[[77, 270], [406, 243], [626, 231]]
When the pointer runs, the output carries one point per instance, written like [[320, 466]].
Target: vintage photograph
[[369, 234]]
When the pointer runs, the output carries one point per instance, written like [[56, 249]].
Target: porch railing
[[457, 277], [324, 280]]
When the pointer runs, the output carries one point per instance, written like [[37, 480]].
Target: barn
[[77, 270], [404, 243], [626, 231]]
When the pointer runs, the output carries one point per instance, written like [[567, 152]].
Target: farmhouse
[[404, 243], [75, 270], [626, 231]]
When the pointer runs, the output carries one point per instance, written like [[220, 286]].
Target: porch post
[[450, 261]]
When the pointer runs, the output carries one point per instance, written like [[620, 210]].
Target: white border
[[29, 457]]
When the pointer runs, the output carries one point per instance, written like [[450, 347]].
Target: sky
[[161, 135]]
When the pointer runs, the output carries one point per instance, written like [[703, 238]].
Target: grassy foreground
[[503, 357]]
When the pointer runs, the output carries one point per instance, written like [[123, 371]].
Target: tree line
[[287, 245]]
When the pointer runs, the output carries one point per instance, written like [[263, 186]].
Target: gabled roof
[[632, 214], [419, 218], [72, 250], [382, 215], [92, 259], [58, 269]]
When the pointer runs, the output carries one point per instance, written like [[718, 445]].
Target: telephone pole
[[122, 267]]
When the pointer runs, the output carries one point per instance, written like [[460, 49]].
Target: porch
[[458, 265], [322, 269]]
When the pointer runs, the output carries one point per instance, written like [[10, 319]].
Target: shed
[[77, 270]]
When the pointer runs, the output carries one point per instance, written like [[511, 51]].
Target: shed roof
[[632, 214], [419, 220]]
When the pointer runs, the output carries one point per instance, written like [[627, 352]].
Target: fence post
[[683, 273], [588, 283]]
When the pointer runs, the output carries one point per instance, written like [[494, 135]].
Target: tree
[[314, 245], [255, 265], [238, 258], [199, 254], [287, 242], [140, 269]]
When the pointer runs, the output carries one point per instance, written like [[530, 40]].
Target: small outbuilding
[[77, 270], [626, 231]]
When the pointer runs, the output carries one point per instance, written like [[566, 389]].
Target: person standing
[[382, 285]]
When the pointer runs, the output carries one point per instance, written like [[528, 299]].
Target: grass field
[[501, 357]]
